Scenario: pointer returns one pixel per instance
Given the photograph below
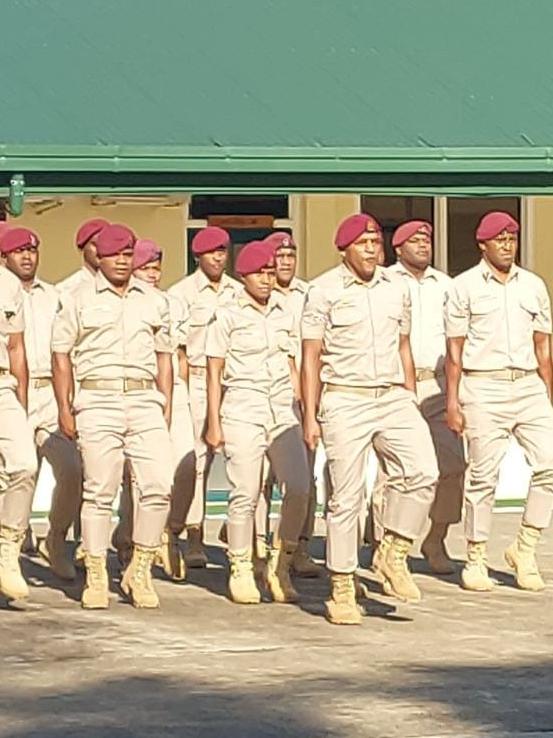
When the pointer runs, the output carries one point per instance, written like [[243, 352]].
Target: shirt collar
[[102, 284], [296, 285], [350, 278], [488, 274], [203, 283], [246, 302]]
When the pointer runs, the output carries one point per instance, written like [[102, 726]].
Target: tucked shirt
[[498, 320], [12, 318], [256, 345], [360, 324], [81, 278], [428, 297], [294, 302], [200, 300], [113, 336], [178, 318], [39, 304]]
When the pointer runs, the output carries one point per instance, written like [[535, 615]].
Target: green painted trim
[[515, 502]]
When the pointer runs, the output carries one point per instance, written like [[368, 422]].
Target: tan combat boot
[[53, 550], [194, 553], [169, 556], [341, 608], [437, 557], [137, 581], [302, 563], [12, 584], [376, 565], [474, 576], [395, 570], [278, 572], [96, 592], [242, 587], [521, 556]]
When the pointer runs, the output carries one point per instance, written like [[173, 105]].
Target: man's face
[[501, 251], [213, 264], [363, 255], [117, 269], [416, 252], [150, 273], [23, 262], [285, 264], [90, 256], [260, 284]]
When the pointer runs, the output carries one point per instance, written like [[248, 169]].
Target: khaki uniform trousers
[[263, 509], [194, 506], [273, 432], [495, 409], [392, 423], [182, 444], [18, 462], [114, 426], [61, 453], [448, 502]]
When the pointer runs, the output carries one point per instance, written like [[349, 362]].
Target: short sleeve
[[11, 305], [65, 329], [179, 315], [543, 319], [457, 312], [163, 343], [218, 335], [315, 314], [405, 319]]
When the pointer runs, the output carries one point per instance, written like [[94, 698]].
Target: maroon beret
[[406, 230], [88, 230], [352, 227], [17, 238], [493, 223], [209, 239], [280, 240], [145, 251], [253, 257], [113, 239]]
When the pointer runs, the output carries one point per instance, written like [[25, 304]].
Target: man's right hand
[[67, 424], [214, 437], [455, 419], [311, 433]]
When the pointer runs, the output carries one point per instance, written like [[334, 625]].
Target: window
[[202, 206]]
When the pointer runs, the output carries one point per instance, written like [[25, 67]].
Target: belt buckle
[[126, 385], [517, 374]]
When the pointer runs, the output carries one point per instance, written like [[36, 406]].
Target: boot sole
[[391, 592], [17, 597], [127, 591], [94, 607], [509, 560]]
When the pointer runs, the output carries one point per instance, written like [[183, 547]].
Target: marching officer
[[200, 294], [116, 336], [85, 240], [251, 346], [499, 381], [147, 259], [18, 463], [20, 254], [428, 291], [358, 389]]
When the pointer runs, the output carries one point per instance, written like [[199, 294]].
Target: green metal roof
[[278, 94]]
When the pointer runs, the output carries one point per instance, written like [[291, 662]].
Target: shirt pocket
[[284, 339], [343, 317], [95, 317], [484, 305], [246, 340], [200, 315]]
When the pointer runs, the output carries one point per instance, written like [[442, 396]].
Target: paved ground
[[455, 665]]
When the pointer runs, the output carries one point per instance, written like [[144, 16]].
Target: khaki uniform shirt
[[428, 298], [178, 317], [40, 304], [83, 277], [113, 336], [256, 346], [498, 320], [11, 320], [200, 299], [294, 301], [359, 324]]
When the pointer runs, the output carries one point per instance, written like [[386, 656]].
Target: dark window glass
[[202, 206]]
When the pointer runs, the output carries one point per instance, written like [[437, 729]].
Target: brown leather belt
[[422, 374], [198, 371], [509, 374], [40, 382], [117, 385], [366, 391]]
